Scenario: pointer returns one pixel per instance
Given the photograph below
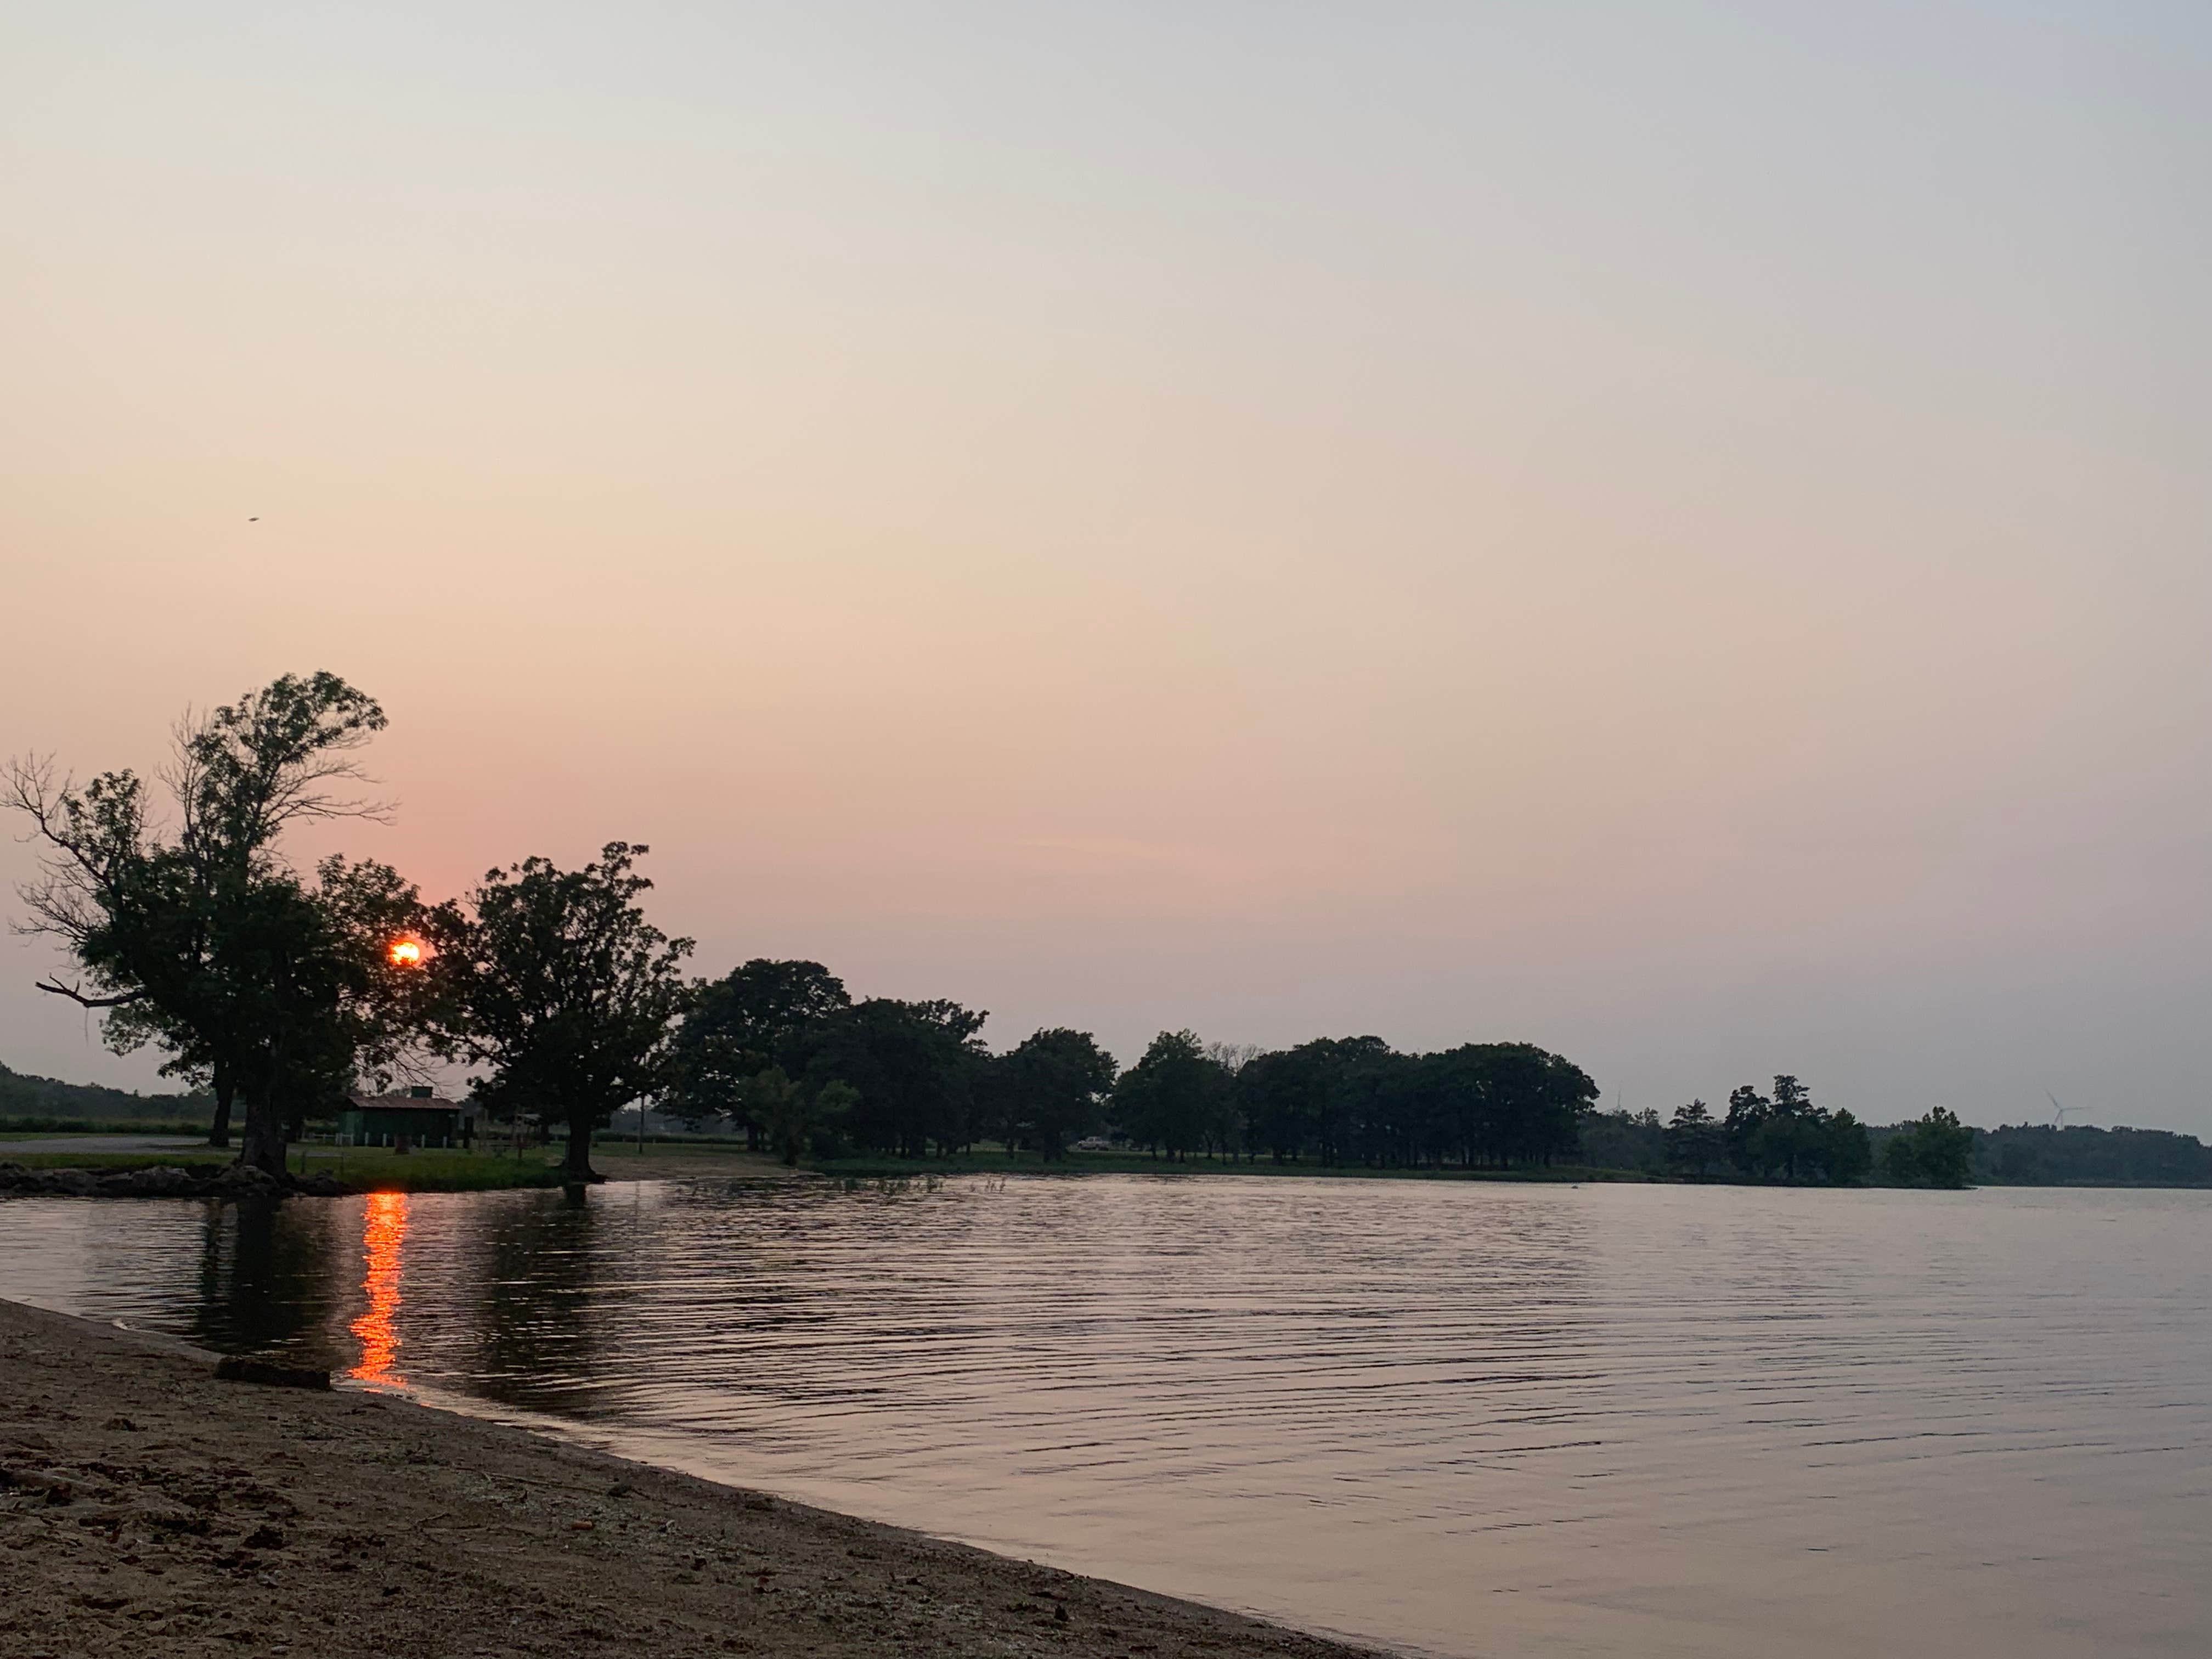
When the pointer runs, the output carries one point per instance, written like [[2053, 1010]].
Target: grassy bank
[[429, 1169], [368, 1169], [434, 1169]]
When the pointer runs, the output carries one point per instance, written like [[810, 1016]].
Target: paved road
[[101, 1143]]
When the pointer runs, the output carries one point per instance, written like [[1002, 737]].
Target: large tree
[[555, 978], [757, 1017], [1333, 1095], [1172, 1098], [196, 934], [1694, 1141], [913, 1067], [1936, 1149], [1790, 1136], [1053, 1084]]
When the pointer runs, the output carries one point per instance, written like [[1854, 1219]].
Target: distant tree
[[1363, 1117], [1233, 1057], [201, 938], [914, 1067], [1276, 1095], [795, 1120], [1344, 1099], [1695, 1140], [1936, 1150], [2042, 1153], [556, 979], [23, 1095], [1457, 1105], [1171, 1097], [830, 1110], [1792, 1133], [1053, 1084], [1946, 1149], [756, 1018], [1742, 1131], [1791, 1138], [1537, 1101], [1623, 1140], [1845, 1151]]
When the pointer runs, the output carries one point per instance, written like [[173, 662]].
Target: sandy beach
[[147, 1507]]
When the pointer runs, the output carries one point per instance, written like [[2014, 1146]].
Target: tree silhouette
[[556, 979], [199, 937]]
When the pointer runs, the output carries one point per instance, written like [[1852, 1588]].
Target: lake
[[1458, 1418]]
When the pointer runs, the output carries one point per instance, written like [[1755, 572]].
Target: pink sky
[[1675, 533]]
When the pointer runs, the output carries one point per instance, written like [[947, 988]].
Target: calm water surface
[[1469, 1420]]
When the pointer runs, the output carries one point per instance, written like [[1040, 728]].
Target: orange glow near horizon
[[1426, 600], [384, 1230]]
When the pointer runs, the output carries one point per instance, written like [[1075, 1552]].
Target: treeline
[[49, 1099], [1783, 1135], [280, 990], [782, 1051], [2043, 1155]]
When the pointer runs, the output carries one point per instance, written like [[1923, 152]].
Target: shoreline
[[146, 1506]]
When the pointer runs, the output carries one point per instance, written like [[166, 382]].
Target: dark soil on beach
[[148, 1507]]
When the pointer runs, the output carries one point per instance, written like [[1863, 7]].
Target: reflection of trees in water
[[265, 1278], [535, 1342]]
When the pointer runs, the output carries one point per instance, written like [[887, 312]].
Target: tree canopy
[[192, 931], [1935, 1150], [913, 1067], [757, 1017], [198, 936], [1050, 1089], [555, 978]]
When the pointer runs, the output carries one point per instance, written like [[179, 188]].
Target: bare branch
[[75, 994]]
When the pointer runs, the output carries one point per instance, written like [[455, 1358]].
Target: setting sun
[[406, 953]]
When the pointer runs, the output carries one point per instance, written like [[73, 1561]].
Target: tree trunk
[[262, 1144], [576, 1163], [226, 1089]]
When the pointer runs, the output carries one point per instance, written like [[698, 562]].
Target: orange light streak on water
[[384, 1230]]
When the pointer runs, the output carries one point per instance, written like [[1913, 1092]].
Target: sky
[[1673, 531]]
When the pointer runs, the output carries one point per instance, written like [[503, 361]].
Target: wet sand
[[148, 1508]]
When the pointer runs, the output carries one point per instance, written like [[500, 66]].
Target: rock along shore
[[165, 1181], [148, 1507]]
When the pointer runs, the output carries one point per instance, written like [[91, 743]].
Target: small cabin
[[417, 1118]]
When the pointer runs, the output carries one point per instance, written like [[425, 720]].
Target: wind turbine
[[2057, 1112]]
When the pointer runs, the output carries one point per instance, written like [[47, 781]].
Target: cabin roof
[[402, 1104]]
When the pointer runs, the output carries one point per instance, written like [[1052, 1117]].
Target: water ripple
[[1463, 1418]]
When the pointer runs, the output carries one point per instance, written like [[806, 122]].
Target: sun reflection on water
[[384, 1230]]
